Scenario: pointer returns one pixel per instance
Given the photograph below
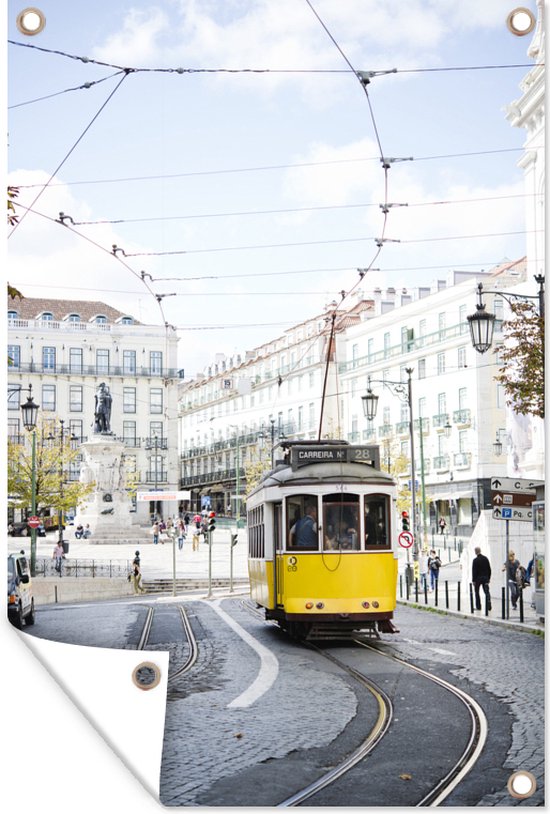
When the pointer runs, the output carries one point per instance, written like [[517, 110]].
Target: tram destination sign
[[304, 455]]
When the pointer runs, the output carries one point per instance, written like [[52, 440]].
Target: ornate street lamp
[[482, 323]]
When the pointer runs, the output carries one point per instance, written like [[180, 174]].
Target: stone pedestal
[[107, 509]]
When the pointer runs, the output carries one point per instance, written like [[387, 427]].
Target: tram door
[[278, 541]]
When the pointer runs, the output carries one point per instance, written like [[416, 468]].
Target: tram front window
[[341, 522], [303, 527], [376, 522]]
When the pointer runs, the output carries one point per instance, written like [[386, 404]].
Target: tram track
[[478, 728], [192, 646]]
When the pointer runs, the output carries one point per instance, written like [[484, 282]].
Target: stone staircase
[[165, 585]]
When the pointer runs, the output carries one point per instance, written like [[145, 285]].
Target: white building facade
[[65, 348]]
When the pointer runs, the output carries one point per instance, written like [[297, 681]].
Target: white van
[[20, 598]]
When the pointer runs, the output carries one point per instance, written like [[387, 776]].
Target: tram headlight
[[375, 604], [309, 605], [320, 605], [366, 604]]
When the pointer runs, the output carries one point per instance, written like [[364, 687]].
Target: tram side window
[[377, 532], [256, 535], [302, 525], [341, 522]]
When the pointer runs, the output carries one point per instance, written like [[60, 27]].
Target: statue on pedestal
[[102, 412]]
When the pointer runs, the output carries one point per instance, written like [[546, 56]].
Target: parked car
[[20, 598]]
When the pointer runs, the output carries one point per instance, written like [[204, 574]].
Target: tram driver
[[303, 533]]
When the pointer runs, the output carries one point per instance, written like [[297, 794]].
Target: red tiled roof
[[33, 307]]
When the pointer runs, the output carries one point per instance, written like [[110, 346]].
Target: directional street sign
[[512, 513], [515, 484], [512, 498]]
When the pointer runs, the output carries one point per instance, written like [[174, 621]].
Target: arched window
[[127, 321], [73, 318], [12, 314], [46, 316], [101, 319]]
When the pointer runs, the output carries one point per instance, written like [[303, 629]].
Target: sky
[[232, 154]]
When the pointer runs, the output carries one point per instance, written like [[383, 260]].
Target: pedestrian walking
[[511, 567], [58, 555], [186, 521], [155, 531], [481, 577], [434, 564], [423, 570], [180, 525], [136, 575], [442, 525]]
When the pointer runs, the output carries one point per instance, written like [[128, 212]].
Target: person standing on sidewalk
[[442, 525], [155, 532], [434, 564], [423, 570], [511, 567], [136, 575], [481, 576], [58, 555]]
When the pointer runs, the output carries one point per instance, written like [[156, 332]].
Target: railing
[[462, 417], [156, 477], [441, 463], [94, 370], [113, 569], [439, 421]]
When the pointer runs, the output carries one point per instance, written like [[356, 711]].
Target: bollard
[[416, 591], [426, 591], [458, 595], [55, 589], [504, 603], [447, 594], [436, 588], [407, 588], [400, 586], [521, 617], [471, 598], [487, 602]]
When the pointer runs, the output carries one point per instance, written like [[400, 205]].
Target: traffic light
[[405, 523], [211, 521], [234, 538]]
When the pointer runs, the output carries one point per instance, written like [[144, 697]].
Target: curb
[[525, 627]]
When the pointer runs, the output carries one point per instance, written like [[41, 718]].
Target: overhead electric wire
[[290, 210], [69, 153], [269, 167], [84, 86], [180, 70]]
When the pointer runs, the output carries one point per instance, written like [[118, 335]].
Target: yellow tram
[[321, 553]]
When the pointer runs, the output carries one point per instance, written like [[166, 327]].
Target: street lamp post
[[29, 411], [370, 405]]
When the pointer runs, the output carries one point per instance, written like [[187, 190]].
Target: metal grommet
[[521, 21], [146, 675], [522, 784], [30, 21]]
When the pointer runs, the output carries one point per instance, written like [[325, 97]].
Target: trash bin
[[65, 545]]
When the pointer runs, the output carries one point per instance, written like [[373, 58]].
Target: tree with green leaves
[[522, 359], [52, 459]]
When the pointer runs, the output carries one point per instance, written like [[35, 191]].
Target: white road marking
[[269, 665]]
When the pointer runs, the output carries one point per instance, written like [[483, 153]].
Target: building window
[[129, 361], [462, 356], [442, 403], [370, 349], [14, 398], [47, 316], [155, 362], [102, 360], [76, 428], [440, 363], [75, 398], [462, 398], [129, 433], [13, 429], [156, 429], [101, 319], [127, 321], [73, 318], [463, 441], [155, 400], [441, 320], [75, 360], [14, 356], [462, 319], [129, 400], [48, 397], [48, 359], [421, 368], [12, 314], [386, 345]]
